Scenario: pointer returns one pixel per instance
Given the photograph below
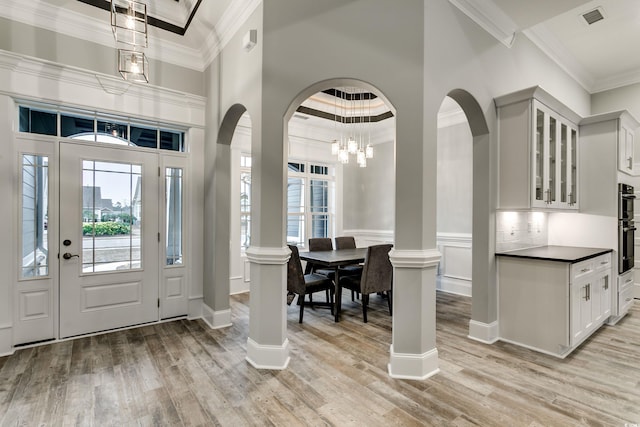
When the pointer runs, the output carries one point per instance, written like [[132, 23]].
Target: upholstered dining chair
[[320, 244], [307, 284], [377, 276], [348, 242]]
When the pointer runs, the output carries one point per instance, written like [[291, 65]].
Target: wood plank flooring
[[183, 373]]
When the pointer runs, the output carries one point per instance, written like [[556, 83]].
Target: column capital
[[422, 258], [268, 255]]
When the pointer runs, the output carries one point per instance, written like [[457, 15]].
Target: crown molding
[[230, 22], [490, 17], [39, 14]]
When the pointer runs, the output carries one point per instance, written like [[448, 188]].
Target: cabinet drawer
[[625, 298], [602, 262], [581, 269]]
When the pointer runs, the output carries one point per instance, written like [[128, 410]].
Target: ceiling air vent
[[593, 16]]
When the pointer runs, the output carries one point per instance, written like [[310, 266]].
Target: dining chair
[[320, 244], [349, 242], [377, 276], [307, 284]]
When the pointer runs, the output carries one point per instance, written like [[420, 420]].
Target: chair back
[[345, 242], [320, 244], [377, 273], [295, 276]]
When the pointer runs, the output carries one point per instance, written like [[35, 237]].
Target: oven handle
[[628, 196]]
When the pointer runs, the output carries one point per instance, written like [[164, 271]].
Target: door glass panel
[[112, 214], [35, 244], [564, 146], [574, 167], [173, 181], [552, 159], [539, 147]]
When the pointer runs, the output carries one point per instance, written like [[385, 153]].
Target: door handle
[[67, 255]]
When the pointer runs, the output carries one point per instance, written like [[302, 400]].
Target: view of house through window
[[35, 245], [112, 213]]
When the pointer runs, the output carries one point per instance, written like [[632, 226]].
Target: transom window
[[99, 128]]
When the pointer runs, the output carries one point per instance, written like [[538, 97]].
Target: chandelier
[[353, 138], [129, 27]]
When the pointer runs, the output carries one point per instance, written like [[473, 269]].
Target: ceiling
[[600, 56]]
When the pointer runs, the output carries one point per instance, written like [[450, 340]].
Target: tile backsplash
[[519, 230]]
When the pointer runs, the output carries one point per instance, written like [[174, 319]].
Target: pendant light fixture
[[355, 134], [129, 27]]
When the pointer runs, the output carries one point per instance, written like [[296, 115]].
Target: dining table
[[335, 259]]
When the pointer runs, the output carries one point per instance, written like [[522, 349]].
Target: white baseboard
[[268, 356], [413, 366], [238, 285], [453, 285], [483, 332], [216, 319], [6, 340]]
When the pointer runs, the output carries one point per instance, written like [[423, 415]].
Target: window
[[35, 245], [245, 202], [112, 214], [173, 244], [100, 128], [309, 202]]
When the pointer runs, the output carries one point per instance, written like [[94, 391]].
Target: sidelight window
[[35, 195], [173, 247]]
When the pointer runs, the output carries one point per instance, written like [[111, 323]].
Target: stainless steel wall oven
[[626, 228]]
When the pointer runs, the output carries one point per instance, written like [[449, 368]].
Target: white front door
[[108, 238]]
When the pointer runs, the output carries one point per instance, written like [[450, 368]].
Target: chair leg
[[389, 295], [365, 301], [301, 298]]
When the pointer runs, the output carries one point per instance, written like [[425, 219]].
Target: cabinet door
[[625, 149], [554, 160], [581, 309], [604, 287]]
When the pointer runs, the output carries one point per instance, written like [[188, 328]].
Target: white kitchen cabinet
[[625, 147], [538, 152], [552, 304]]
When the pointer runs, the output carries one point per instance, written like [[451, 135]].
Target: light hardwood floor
[[183, 373]]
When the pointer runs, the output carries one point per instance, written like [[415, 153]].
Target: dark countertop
[[570, 254]]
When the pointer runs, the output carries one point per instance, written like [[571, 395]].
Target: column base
[[268, 356], [484, 332], [413, 366], [216, 319]]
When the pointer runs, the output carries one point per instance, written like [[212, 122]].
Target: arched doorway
[[217, 257], [483, 323]]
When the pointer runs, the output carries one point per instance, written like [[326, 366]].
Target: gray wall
[[44, 44], [455, 179], [624, 98]]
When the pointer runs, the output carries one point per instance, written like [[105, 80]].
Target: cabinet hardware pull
[[583, 270]]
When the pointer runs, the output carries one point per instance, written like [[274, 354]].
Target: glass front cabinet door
[[555, 159]]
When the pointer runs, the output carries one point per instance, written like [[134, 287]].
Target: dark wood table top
[[335, 258]]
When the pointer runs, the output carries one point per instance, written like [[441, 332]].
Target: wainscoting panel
[[454, 271]]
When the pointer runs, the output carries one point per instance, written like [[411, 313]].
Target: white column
[[413, 347], [267, 345]]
